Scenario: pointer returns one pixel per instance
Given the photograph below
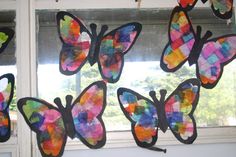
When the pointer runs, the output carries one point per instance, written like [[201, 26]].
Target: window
[[8, 62], [141, 69], [33, 57], [8, 65]]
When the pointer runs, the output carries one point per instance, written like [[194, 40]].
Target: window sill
[[125, 139], [12, 141], [9, 147]]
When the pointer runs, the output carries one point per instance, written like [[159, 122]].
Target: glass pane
[[8, 63], [141, 71]]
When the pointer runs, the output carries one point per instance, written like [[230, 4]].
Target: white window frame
[[25, 144], [124, 138], [11, 145]]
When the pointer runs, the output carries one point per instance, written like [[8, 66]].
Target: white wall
[[5, 154], [194, 150]]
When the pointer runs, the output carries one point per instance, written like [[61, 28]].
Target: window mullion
[[23, 71]]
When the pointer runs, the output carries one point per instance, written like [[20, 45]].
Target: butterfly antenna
[[69, 99], [152, 94], [207, 35], [57, 101], [198, 33], [93, 28], [154, 98], [103, 30], [163, 95], [157, 149]]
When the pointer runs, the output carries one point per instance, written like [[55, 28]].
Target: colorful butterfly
[[7, 82], [210, 56], [81, 119], [176, 112], [79, 45], [6, 34], [221, 8]]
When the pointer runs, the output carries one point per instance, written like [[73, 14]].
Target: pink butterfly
[[79, 45], [210, 56]]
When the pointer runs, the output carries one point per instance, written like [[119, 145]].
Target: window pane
[[8, 63], [141, 72]]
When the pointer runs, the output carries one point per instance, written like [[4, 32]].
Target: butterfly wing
[[179, 108], [113, 47], [6, 34], [222, 8], [142, 114], [181, 41], [87, 113], [187, 4], [76, 40], [46, 121], [7, 82], [215, 54]]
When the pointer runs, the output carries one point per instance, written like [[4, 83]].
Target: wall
[[5, 154], [195, 150]]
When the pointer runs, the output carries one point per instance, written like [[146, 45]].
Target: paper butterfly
[[176, 112], [221, 8], [7, 82], [81, 119], [210, 56], [6, 34], [79, 45]]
